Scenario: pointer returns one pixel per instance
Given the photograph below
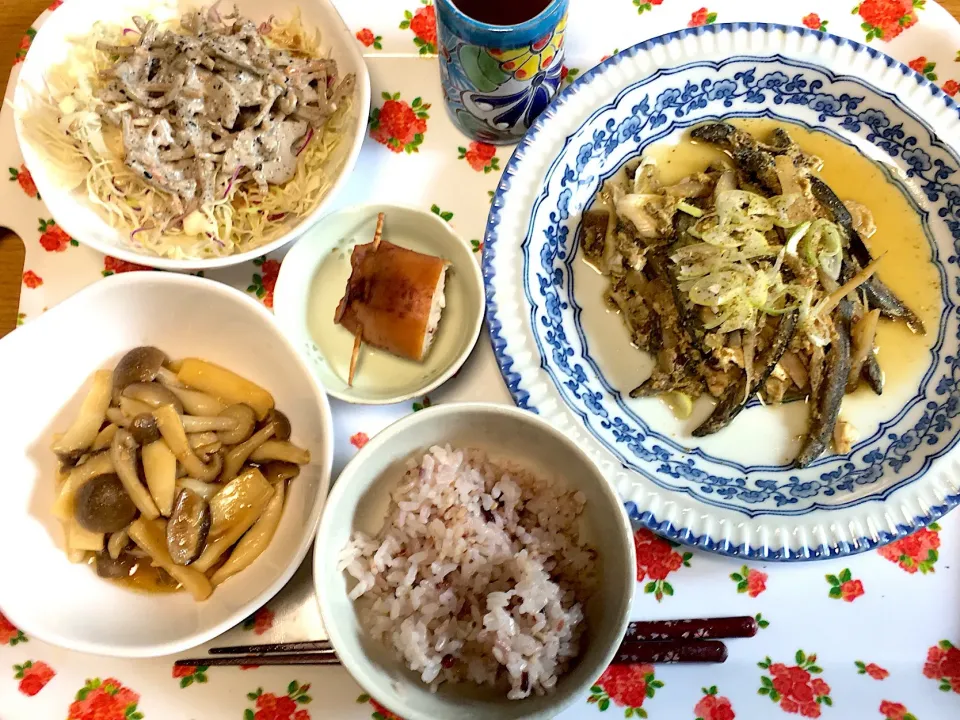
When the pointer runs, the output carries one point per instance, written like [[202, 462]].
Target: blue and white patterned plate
[[733, 493]]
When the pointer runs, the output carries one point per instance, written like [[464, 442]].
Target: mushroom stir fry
[[747, 279], [181, 474]]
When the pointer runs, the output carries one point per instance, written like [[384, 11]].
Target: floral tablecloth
[[871, 636]]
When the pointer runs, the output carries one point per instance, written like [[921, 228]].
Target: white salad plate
[[73, 210], [735, 492], [48, 365]]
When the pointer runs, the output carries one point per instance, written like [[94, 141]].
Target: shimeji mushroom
[[187, 527], [140, 365], [172, 430]]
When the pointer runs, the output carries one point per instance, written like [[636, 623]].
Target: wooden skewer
[[358, 339]]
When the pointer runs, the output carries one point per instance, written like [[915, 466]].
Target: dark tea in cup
[[501, 12], [500, 63]]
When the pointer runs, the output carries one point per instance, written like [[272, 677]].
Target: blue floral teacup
[[498, 78]]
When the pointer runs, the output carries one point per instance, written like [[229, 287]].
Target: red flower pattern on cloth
[[656, 559], [480, 156], [814, 22], [25, 43], [260, 621], [190, 674], [33, 676], [873, 670], [368, 39], [279, 707], [951, 87], [943, 664], [752, 582], [423, 22], [844, 587], [115, 266], [713, 706], [359, 439], [794, 687], [924, 67], [55, 4], [626, 686], [53, 238], [568, 74], [10, 634], [644, 5], [32, 280], [917, 551], [106, 700], [23, 177], [886, 19], [702, 17], [263, 283], [399, 125], [895, 711], [379, 711]]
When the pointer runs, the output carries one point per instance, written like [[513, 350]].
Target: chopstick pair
[[656, 641]]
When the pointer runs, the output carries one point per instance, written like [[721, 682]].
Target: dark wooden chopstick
[[709, 628], [629, 652], [270, 648], [655, 641], [706, 629], [320, 658]]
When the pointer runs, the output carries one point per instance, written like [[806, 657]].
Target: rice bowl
[[493, 580]]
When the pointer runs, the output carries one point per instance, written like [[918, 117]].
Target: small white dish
[[359, 499], [74, 212], [68, 605], [312, 281]]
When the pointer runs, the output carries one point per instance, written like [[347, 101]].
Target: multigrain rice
[[478, 574]]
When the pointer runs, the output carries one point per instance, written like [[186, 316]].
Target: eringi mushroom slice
[[85, 428], [160, 472], [104, 438], [187, 527], [123, 453], [140, 365], [255, 540], [246, 494], [174, 435], [225, 385]]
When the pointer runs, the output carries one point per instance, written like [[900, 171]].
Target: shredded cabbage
[[89, 153]]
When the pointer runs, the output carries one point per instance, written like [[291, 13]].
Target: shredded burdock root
[[204, 136], [750, 278]]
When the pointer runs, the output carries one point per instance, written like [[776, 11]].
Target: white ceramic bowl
[[76, 214], [313, 279], [358, 501], [47, 366]]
